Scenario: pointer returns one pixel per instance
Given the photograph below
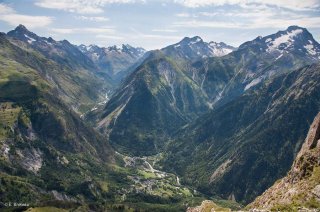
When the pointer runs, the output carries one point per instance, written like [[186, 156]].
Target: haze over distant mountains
[[109, 128], [114, 61]]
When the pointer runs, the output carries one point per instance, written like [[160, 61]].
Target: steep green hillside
[[60, 63], [228, 126], [40, 136], [175, 85], [152, 103], [238, 150], [301, 187], [51, 160]]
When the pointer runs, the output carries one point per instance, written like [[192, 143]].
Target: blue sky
[[157, 23]]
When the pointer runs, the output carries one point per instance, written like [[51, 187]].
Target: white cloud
[[183, 15], [81, 6], [5, 9], [92, 18], [138, 34], [113, 37], [207, 24], [249, 17], [97, 30], [10, 16], [164, 30], [92, 30], [308, 22], [258, 23], [187, 15], [291, 4], [209, 14], [159, 37], [203, 3], [63, 30]]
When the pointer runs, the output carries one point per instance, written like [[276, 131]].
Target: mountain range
[[158, 130], [114, 61], [195, 48], [232, 102]]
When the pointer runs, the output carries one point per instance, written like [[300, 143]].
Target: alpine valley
[[194, 126]]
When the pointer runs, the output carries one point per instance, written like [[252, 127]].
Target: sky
[[154, 24]]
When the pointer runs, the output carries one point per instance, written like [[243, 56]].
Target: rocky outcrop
[[301, 187], [207, 206]]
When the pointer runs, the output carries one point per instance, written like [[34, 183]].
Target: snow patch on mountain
[[195, 47], [30, 39], [287, 39], [197, 40], [310, 49], [47, 42], [279, 57], [253, 83], [220, 49], [268, 40]]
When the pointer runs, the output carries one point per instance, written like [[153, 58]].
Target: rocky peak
[[51, 40], [195, 48], [22, 33], [82, 48], [294, 39], [221, 44], [22, 28], [66, 42], [188, 44], [193, 40], [220, 49], [127, 47], [138, 51], [295, 27], [114, 48], [102, 51], [93, 48]]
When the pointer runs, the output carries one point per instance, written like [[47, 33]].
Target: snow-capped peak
[[294, 40], [195, 48], [190, 41], [138, 51], [287, 39], [220, 49], [91, 48], [115, 48], [22, 33], [195, 39]]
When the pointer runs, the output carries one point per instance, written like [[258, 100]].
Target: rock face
[[301, 186]]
